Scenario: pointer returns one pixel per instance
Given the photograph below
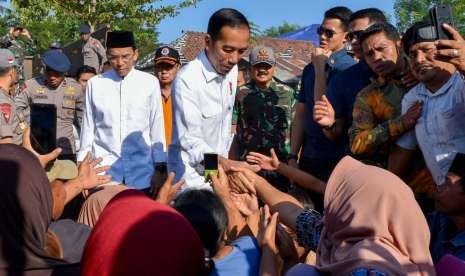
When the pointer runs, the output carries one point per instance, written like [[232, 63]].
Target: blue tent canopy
[[306, 33]]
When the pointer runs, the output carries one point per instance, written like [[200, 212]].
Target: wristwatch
[[292, 156]]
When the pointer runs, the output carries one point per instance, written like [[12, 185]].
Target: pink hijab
[[372, 221]]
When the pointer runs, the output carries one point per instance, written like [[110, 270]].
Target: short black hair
[[374, 15], [85, 69], [384, 27], [225, 17], [207, 214], [341, 13], [458, 167]]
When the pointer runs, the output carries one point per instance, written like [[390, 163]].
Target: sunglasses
[[354, 35], [327, 32]]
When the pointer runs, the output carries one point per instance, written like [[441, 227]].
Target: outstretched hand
[[267, 163], [89, 172], [168, 191], [267, 232]]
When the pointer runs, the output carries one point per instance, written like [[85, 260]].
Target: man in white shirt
[[123, 120], [204, 93]]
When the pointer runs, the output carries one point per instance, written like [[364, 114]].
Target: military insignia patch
[[6, 111], [40, 90], [68, 103], [70, 90], [263, 54], [165, 51]]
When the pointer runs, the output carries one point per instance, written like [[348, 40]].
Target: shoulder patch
[[5, 109]]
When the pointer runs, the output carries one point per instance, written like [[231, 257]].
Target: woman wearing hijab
[[136, 235], [26, 206], [372, 223]]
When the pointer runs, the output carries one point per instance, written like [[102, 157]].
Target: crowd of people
[[360, 170]]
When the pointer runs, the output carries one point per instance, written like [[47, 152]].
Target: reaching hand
[[246, 203], [220, 184], [409, 119], [267, 232], [452, 51], [243, 181], [44, 159], [323, 112], [89, 173], [228, 164], [267, 163], [168, 191]]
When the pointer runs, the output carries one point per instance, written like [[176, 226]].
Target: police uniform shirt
[[123, 124], [68, 99], [9, 120], [93, 53]]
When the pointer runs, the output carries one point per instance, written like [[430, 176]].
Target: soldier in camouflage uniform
[[263, 112], [18, 41]]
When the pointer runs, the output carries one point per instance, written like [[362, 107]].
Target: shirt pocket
[[451, 123], [67, 109]]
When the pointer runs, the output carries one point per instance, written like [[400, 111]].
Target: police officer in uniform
[[93, 52], [11, 121], [65, 93]]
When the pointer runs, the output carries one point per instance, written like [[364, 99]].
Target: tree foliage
[[59, 20], [410, 11], [281, 29]]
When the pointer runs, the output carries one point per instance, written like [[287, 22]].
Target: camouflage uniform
[[263, 118], [20, 49]]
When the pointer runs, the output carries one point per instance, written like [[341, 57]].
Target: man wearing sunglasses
[[319, 155], [65, 93], [334, 113]]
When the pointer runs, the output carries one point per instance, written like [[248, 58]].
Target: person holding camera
[[439, 132]]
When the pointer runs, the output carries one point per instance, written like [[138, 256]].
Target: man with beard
[[439, 132], [377, 119], [263, 111]]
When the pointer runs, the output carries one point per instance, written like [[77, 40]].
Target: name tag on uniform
[[40, 97]]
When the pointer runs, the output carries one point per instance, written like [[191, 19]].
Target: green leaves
[[59, 20], [410, 11]]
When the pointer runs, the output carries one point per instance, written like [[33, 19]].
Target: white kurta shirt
[[203, 102], [123, 124]]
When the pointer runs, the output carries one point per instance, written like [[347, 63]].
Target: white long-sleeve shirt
[[123, 124], [203, 102]]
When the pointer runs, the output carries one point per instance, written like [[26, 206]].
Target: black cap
[[167, 54], [422, 31], [120, 39]]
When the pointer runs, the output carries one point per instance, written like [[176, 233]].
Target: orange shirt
[[168, 117]]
